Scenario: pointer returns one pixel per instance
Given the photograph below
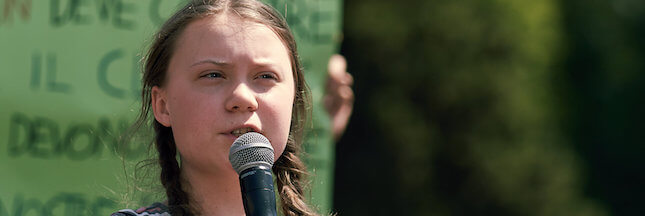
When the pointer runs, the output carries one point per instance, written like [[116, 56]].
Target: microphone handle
[[257, 191]]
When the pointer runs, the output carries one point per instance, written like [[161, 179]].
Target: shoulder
[[156, 209]]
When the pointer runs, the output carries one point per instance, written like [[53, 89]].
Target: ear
[[160, 106]]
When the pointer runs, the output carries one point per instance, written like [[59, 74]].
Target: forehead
[[229, 36]]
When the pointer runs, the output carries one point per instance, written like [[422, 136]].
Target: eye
[[268, 75], [212, 75]]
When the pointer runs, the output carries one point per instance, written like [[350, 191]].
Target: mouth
[[240, 131]]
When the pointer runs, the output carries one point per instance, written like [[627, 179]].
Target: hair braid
[[290, 174], [170, 172]]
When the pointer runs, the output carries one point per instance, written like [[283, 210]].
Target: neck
[[213, 194]]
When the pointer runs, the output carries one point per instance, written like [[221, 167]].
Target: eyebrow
[[212, 61], [257, 64]]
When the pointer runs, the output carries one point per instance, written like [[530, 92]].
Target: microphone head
[[250, 150]]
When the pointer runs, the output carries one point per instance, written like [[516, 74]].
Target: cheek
[[193, 116], [194, 120], [283, 131], [280, 122], [187, 113], [193, 108]]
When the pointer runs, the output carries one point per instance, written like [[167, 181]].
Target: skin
[[339, 96], [225, 74]]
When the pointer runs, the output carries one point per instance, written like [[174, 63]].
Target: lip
[[255, 129]]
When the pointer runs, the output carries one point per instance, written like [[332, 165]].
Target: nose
[[242, 99]]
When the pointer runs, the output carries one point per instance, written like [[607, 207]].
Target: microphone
[[251, 155]]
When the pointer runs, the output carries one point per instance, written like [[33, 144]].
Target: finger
[[346, 94], [337, 67], [348, 79], [340, 119]]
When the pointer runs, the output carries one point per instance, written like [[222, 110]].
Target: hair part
[[290, 171]]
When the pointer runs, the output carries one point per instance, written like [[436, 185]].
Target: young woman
[[218, 69]]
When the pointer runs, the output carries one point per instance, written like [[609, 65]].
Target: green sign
[[69, 88]]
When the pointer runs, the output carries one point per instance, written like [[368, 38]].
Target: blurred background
[[493, 108]]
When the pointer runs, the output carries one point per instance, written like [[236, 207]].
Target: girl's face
[[226, 77]]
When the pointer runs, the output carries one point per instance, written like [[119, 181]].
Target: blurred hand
[[339, 96]]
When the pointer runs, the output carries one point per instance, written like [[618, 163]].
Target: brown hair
[[289, 169]]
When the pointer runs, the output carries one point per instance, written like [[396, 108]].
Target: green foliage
[[460, 96]]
